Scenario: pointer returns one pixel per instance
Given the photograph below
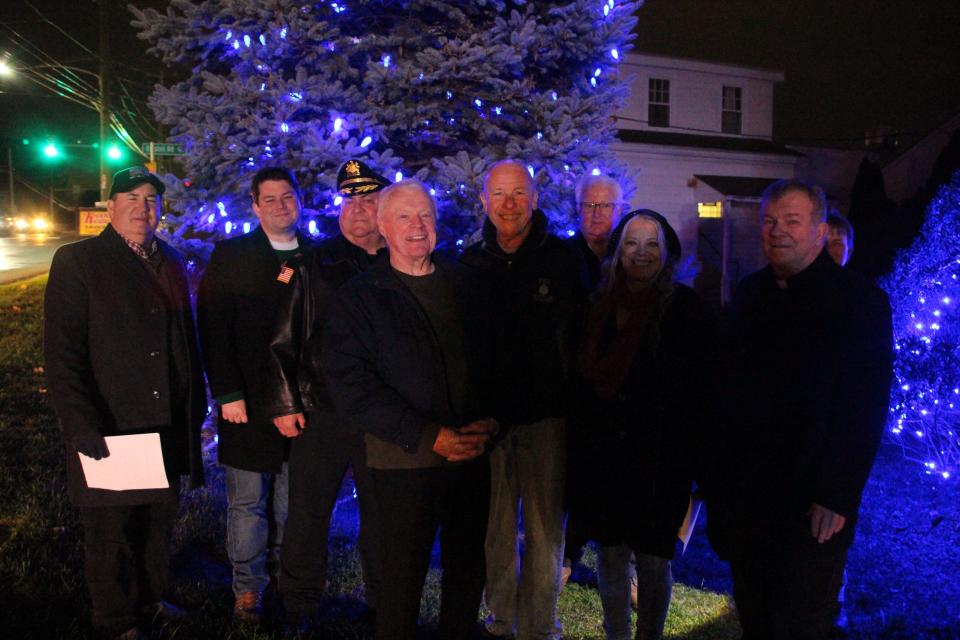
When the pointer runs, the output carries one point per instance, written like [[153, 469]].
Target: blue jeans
[[256, 513], [526, 472], [654, 584]]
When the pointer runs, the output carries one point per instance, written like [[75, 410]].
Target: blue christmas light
[[211, 218], [398, 176], [530, 170], [284, 127], [236, 44], [246, 41], [337, 201], [227, 227], [337, 124], [283, 33], [595, 172], [295, 96], [614, 54], [229, 35], [312, 228], [246, 227], [386, 61], [366, 141], [222, 208], [263, 40]]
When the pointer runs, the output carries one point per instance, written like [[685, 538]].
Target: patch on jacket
[[544, 292]]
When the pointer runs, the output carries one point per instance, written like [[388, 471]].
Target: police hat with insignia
[[355, 179], [127, 180]]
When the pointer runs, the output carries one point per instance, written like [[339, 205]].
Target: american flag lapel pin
[[285, 274]]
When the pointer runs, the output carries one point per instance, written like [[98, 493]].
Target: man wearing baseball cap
[[324, 446], [121, 359]]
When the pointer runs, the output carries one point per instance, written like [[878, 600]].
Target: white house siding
[[696, 91], [665, 179]]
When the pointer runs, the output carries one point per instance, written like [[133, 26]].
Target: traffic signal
[[51, 151], [114, 153]]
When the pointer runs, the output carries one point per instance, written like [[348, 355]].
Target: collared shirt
[[138, 249]]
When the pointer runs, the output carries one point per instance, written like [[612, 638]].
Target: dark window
[[731, 117], [658, 111]]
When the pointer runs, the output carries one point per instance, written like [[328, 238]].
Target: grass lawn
[[43, 594]]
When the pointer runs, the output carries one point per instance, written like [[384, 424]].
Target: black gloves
[[91, 445]]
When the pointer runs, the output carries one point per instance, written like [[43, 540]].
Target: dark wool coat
[[636, 454], [539, 302], [296, 381], [384, 365], [236, 311], [807, 374], [112, 339]]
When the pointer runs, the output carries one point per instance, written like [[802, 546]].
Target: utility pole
[[104, 91], [10, 175]]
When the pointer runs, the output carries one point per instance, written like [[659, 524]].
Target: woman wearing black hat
[[646, 361]]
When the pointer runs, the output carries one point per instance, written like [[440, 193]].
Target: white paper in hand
[[135, 462]]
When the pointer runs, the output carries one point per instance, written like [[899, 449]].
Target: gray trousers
[[527, 470]]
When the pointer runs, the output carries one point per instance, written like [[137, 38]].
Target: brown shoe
[[565, 573], [247, 607]]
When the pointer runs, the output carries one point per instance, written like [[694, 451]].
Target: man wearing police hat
[[121, 358], [324, 445]]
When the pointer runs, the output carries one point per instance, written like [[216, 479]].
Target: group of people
[[528, 386]]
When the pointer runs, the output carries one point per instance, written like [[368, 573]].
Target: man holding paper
[[125, 380]]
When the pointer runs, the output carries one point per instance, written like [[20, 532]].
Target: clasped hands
[[466, 442]]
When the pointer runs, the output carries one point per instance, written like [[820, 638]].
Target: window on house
[[732, 111], [658, 111]]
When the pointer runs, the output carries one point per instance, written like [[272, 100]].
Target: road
[[27, 255]]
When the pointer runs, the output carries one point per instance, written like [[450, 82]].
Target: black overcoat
[[807, 371], [108, 341], [236, 312], [638, 453]]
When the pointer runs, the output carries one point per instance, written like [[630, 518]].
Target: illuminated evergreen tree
[[924, 288], [427, 88]]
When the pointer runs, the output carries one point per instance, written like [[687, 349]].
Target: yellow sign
[[92, 221]]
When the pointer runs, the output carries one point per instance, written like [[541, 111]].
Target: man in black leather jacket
[[324, 446]]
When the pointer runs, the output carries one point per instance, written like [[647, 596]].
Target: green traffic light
[[114, 152], [51, 151]]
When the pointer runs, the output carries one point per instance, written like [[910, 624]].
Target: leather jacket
[[296, 379]]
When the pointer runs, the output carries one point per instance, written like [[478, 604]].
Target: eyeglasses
[[604, 207]]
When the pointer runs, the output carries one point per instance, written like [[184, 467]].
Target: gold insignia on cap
[[353, 168]]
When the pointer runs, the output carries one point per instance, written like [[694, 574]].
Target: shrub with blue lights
[[924, 288], [430, 89]]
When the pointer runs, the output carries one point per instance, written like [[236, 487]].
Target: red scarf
[[606, 361]]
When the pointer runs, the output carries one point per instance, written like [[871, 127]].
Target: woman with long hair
[[646, 363]]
